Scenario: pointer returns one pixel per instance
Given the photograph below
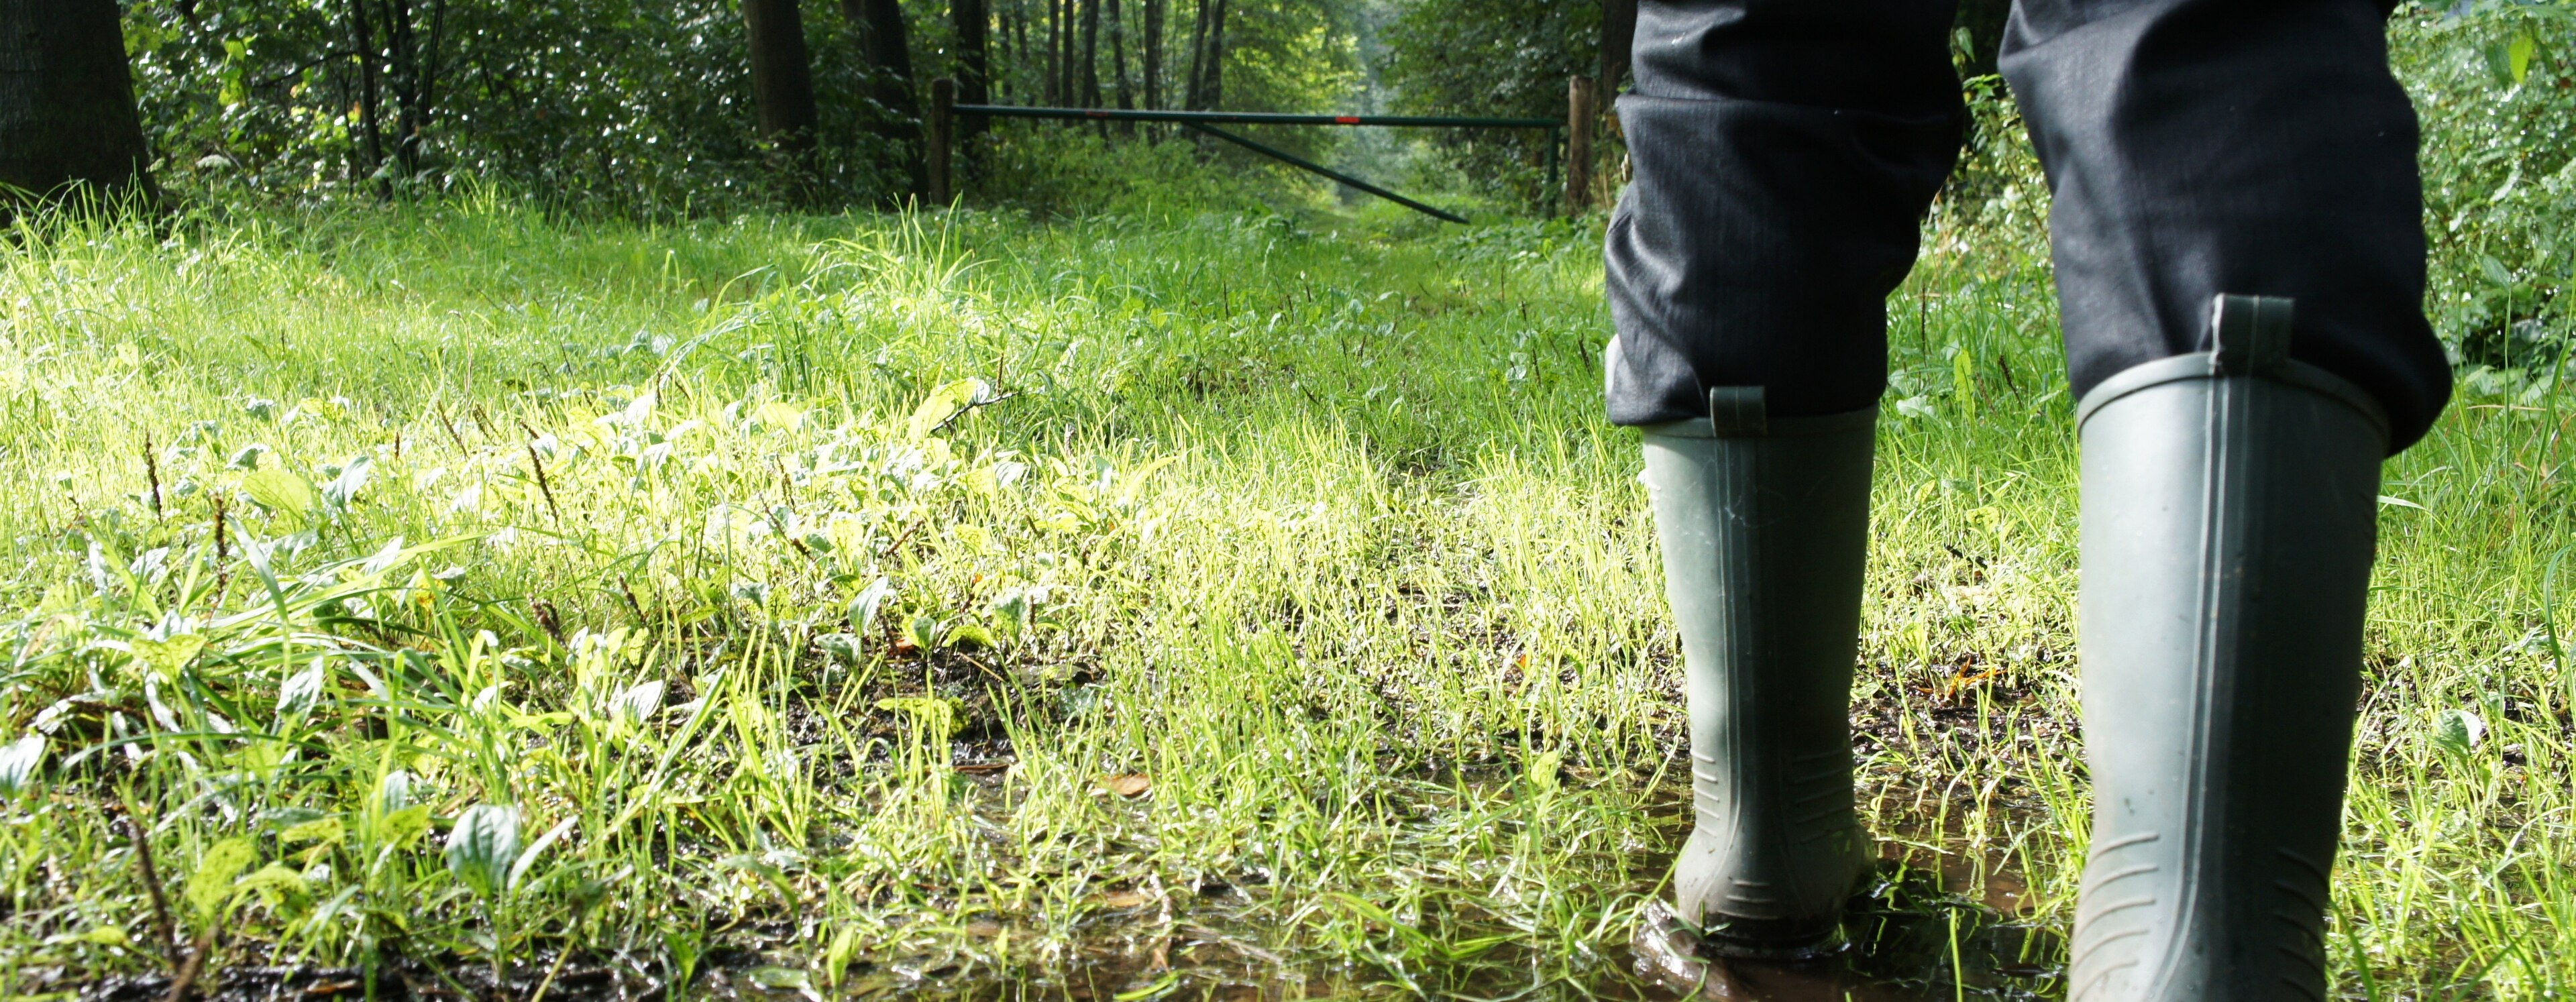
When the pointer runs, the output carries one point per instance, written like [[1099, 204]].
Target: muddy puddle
[[1931, 927]]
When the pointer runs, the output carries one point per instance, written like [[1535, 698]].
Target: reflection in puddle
[[1944, 931], [1933, 926]]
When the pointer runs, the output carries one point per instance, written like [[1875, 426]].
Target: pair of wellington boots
[[2229, 503]]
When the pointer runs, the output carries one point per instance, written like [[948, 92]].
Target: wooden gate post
[[1579, 119], [936, 140]]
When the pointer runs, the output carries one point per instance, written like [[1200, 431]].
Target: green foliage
[[1492, 57], [2495, 85]]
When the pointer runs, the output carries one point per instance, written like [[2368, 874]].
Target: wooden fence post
[[937, 139], [1579, 118]]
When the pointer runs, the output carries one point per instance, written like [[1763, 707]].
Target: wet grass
[[969, 607]]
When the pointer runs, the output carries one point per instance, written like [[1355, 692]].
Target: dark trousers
[[1784, 152]]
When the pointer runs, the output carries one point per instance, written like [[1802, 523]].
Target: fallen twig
[[161, 928], [195, 965]]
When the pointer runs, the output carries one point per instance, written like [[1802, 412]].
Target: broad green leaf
[[18, 762], [944, 403], [280, 491], [211, 886], [272, 880], [404, 826], [325, 831], [2518, 55], [863, 608], [483, 845], [2458, 731], [166, 657]]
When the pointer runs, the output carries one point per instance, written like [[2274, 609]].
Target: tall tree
[[888, 48], [370, 138], [67, 118], [782, 79], [1118, 55], [1089, 90], [1193, 92], [1214, 61], [970, 20], [1153, 54]]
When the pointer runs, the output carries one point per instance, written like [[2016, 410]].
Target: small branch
[[168, 936], [196, 964], [970, 408]]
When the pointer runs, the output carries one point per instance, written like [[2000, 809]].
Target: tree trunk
[[1118, 60], [67, 118], [1618, 36], [1194, 92], [1216, 57], [782, 81], [1062, 59], [1089, 91], [371, 139], [1153, 54], [884, 42], [1055, 53], [974, 68]]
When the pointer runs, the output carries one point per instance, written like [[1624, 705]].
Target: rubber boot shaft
[[2229, 518], [1764, 525]]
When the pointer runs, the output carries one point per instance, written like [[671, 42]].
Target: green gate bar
[[1201, 120]]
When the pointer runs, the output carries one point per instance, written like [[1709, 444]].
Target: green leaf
[[166, 657], [2518, 55], [483, 845], [1963, 379], [2495, 270], [402, 827], [280, 491], [327, 831], [211, 887], [944, 403], [273, 880], [18, 762], [863, 608], [2458, 731]]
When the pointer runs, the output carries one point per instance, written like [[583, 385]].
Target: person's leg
[[2240, 266], [1783, 154]]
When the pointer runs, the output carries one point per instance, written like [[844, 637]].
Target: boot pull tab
[[1737, 411], [2250, 335]]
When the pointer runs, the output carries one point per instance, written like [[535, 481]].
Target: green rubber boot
[[1764, 523], [2230, 505]]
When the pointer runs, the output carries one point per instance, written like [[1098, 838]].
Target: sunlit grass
[[879, 599]]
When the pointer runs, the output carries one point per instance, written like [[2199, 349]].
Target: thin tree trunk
[[67, 118], [1194, 93], [1062, 60], [782, 78], [366, 47], [1216, 57], [971, 20], [1055, 53], [1090, 88], [1153, 54], [884, 42], [1118, 60]]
